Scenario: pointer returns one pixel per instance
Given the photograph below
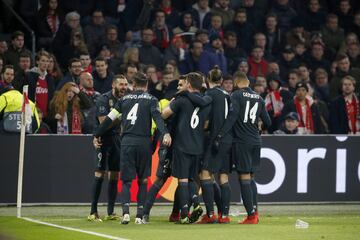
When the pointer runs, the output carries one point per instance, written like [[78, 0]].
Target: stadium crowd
[[303, 57]]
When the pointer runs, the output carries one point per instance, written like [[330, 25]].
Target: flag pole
[[21, 154]]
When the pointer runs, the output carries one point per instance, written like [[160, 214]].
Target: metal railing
[[26, 26]]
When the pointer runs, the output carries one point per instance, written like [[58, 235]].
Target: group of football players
[[203, 136]]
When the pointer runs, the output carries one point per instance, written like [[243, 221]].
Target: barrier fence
[[59, 169]]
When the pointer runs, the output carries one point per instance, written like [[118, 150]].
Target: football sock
[[254, 192], [112, 193], [246, 195], [176, 204], [141, 198], [96, 193], [225, 198], [194, 194], [184, 198], [217, 195], [150, 197], [208, 195], [126, 197]]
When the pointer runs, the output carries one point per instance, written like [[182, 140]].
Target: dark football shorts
[[136, 161], [165, 159], [185, 166], [246, 157], [219, 162], [108, 155]]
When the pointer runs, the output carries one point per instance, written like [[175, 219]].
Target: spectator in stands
[[333, 35], [353, 51], [254, 14], [102, 76], [87, 86], [192, 58], [345, 14], [228, 84], [172, 15], [243, 29], [162, 33], [258, 65], [113, 63], [164, 87], [294, 77], [176, 50], [273, 67], [41, 84], [300, 52], [304, 73], [186, 25], [85, 59], [289, 125], [111, 40], [95, 32], [131, 56], [260, 80], [201, 12], [321, 88], [63, 35], [44, 127], [259, 89], [273, 35], [349, 39], [171, 67], [275, 100], [314, 17], [66, 110], [216, 26], [317, 57], [284, 12], [244, 67], [48, 21], [202, 35], [232, 52], [73, 49], [12, 55], [355, 28], [304, 106], [260, 40], [287, 61], [297, 33], [343, 69], [222, 8], [151, 74], [3, 47], [148, 53], [345, 109], [7, 77], [73, 74], [54, 70], [24, 68], [130, 72], [213, 55]]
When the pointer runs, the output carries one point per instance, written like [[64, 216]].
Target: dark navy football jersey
[[189, 126], [220, 106], [104, 105], [137, 110], [247, 108]]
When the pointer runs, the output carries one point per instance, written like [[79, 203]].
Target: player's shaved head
[[195, 80]]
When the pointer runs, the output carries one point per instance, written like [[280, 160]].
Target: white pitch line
[[73, 229]]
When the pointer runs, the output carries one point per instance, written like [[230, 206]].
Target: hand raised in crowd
[[75, 89]]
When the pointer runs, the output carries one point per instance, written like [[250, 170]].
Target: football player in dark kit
[[188, 142], [109, 153], [216, 162], [243, 119], [137, 109]]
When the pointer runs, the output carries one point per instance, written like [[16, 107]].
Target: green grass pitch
[[276, 222]]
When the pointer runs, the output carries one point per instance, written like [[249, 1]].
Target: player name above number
[[251, 95], [143, 96]]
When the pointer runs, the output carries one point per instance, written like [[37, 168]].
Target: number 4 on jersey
[[252, 114], [132, 115]]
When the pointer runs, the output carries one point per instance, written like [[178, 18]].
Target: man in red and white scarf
[[352, 104], [303, 105]]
